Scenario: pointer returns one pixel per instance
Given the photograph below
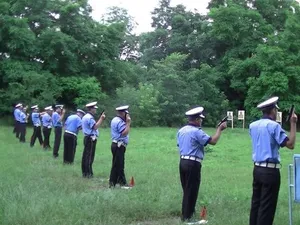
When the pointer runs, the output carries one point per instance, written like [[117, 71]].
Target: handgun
[[126, 112], [222, 121], [291, 111]]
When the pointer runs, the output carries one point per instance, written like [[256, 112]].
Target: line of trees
[[243, 51]]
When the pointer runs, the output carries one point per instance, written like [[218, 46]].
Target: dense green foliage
[[242, 52]]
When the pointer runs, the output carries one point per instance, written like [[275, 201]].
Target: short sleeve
[[67, 121], [79, 123], [280, 135], [92, 123], [202, 137], [56, 117], [121, 126]]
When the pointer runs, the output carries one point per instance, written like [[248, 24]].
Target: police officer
[[72, 126], [191, 140], [17, 111], [36, 121], [91, 133], [15, 121], [23, 119], [47, 126], [267, 137], [57, 118], [120, 127]]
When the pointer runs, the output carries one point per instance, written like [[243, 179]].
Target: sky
[[140, 10]]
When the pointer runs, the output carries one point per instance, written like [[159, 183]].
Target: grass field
[[37, 189]]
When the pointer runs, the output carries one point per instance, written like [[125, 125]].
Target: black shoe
[[87, 176], [112, 185]]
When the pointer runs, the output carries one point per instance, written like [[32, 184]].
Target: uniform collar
[[90, 114], [266, 117], [121, 118], [194, 125]]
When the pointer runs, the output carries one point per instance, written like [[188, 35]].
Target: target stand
[[294, 184]]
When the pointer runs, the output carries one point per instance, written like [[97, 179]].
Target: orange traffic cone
[[131, 182], [203, 213]]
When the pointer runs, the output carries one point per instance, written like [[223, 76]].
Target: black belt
[[88, 135]]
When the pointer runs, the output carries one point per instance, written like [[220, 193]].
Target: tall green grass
[[35, 188]]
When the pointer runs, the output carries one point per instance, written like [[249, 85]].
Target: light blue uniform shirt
[[117, 126], [267, 137], [73, 123], [88, 123], [55, 120], [22, 117], [191, 141], [46, 120], [17, 114], [35, 117]]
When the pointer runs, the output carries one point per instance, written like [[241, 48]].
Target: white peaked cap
[[195, 111], [18, 105], [59, 106], [49, 108], [268, 103], [92, 105], [34, 107], [122, 108], [81, 111]]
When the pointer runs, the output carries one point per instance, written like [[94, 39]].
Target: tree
[[278, 61], [42, 42], [180, 90], [28, 83], [129, 47], [177, 31], [237, 31], [143, 101]]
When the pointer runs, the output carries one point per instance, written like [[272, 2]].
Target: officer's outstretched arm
[[99, 122], [127, 128], [62, 115], [292, 137], [214, 139]]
